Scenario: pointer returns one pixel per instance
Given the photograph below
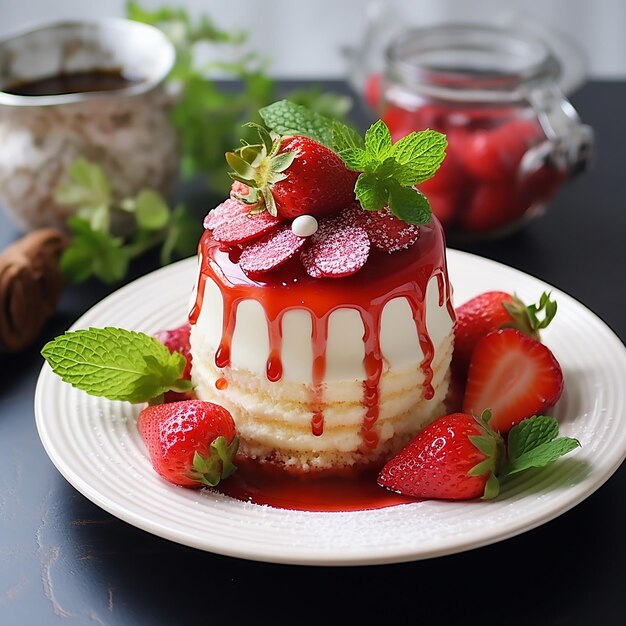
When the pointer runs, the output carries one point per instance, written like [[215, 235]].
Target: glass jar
[[513, 137]]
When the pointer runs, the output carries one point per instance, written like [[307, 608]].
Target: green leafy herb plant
[[107, 234]]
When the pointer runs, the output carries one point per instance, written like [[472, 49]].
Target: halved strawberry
[[514, 376], [233, 222], [270, 252]]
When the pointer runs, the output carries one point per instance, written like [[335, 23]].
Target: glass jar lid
[[471, 62]]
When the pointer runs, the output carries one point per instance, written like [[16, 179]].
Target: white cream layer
[[345, 349]]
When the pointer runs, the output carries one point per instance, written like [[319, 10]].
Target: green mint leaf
[[419, 154], [88, 191], [151, 210], [288, 118], [371, 192], [530, 433], [542, 455], [355, 159], [378, 142], [345, 137], [333, 105], [93, 253], [114, 363], [408, 204]]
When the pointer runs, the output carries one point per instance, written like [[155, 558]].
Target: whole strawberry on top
[[459, 457], [292, 176]]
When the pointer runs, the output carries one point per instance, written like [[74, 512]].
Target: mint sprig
[[116, 364], [108, 233], [389, 171], [535, 443]]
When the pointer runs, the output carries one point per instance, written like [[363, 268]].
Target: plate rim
[[296, 555]]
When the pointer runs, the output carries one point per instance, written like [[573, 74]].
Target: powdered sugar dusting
[[235, 224], [271, 251], [386, 231], [337, 250]]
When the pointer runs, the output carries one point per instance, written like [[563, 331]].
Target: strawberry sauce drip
[[221, 383], [274, 367], [405, 273]]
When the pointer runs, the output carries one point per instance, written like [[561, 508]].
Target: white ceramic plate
[[94, 443]]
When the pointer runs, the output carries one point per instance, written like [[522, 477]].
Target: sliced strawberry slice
[[270, 252], [336, 250], [387, 232], [234, 224], [514, 376], [215, 217]]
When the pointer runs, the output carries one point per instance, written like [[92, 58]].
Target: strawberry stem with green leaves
[[218, 464], [532, 318], [259, 166], [389, 171], [534, 442]]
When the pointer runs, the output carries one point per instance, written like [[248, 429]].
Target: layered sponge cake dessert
[[321, 319]]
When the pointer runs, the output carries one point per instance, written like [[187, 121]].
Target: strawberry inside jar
[[513, 138]]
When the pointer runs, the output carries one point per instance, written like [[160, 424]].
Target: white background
[[304, 38]]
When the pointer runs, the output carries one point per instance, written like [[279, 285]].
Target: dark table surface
[[64, 560]]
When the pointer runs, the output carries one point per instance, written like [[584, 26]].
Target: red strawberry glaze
[[385, 276], [273, 487]]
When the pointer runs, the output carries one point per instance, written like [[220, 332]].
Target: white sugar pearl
[[304, 226]]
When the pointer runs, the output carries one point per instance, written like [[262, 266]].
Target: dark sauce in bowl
[[73, 82]]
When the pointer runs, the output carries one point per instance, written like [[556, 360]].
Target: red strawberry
[[190, 443], [318, 183], [238, 190], [454, 458], [177, 340], [292, 176], [270, 252], [337, 250], [512, 375], [234, 222], [495, 154], [492, 207], [493, 310], [385, 231]]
